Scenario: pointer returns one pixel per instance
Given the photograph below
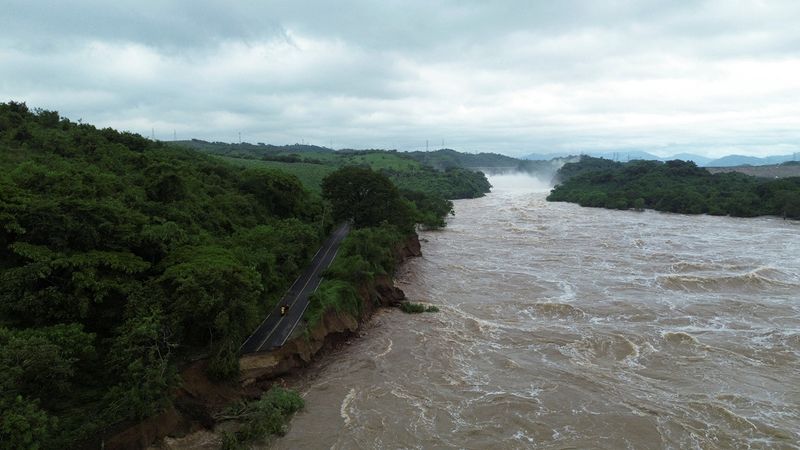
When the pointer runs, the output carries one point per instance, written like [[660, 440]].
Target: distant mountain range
[[725, 161]]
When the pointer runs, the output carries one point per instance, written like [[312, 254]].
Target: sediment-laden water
[[570, 327]]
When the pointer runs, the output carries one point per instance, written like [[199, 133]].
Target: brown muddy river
[[569, 327]]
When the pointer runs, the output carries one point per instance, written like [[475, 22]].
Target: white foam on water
[[518, 182], [344, 408], [385, 352]]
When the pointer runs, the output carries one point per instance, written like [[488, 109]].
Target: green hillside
[[312, 164], [122, 258], [311, 175]]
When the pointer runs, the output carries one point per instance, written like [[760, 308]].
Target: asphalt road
[[277, 327]]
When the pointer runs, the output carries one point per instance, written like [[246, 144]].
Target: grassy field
[[312, 164], [384, 160], [310, 175]]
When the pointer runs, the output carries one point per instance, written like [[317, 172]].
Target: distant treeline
[[246, 149], [674, 186]]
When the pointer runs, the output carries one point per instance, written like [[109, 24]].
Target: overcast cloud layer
[[515, 77]]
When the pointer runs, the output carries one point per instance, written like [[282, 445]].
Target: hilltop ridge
[[703, 161]]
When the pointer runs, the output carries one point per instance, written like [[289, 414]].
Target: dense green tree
[[141, 358], [42, 362], [431, 210], [23, 425], [366, 197], [280, 193], [211, 293]]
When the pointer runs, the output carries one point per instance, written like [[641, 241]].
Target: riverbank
[[192, 421]]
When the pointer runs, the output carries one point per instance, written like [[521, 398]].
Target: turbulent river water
[[570, 327]]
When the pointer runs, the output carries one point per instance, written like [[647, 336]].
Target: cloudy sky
[[710, 77]]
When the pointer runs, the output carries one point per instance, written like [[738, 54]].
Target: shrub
[[416, 308], [332, 295], [266, 416]]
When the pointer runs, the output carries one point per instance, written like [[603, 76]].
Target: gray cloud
[[710, 77]]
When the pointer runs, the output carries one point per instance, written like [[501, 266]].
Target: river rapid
[[569, 327]]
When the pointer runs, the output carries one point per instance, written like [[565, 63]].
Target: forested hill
[[121, 257], [490, 162], [675, 186], [311, 164], [247, 150]]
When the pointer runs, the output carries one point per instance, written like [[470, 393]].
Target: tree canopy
[[675, 186], [366, 197], [121, 257]]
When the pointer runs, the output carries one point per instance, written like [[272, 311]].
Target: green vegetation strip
[[416, 308]]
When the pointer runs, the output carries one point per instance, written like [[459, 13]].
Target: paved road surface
[[276, 328]]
